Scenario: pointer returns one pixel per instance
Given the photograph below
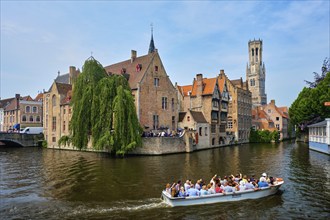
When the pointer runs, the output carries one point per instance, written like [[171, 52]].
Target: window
[[155, 121], [54, 100], [38, 118], [257, 51], [64, 111], [230, 124], [164, 103], [200, 131], [34, 109], [156, 82], [205, 131], [54, 124], [278, 126], [54, 139], [173, 123], [213, 128], [63, 126], [252, 82], [156, 68], [27, 109], [213, 141], [188, 118], [214, 116], [252, 52], [24, 118], [269, 111], [277, 118], [31, 118], [172, 104], [215, 103]]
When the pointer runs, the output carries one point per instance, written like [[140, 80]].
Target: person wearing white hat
[[264, 175]]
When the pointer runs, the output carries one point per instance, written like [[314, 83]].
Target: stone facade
[[156, 100], [57, 109], [239, 110], [210, 97], [256, 73], [24, 111]]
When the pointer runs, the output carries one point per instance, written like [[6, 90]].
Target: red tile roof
[[185, 90], [208, 86], [132, 68], [39, 96]]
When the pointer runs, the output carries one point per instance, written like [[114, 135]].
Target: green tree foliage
[[103, 109], [265, 136], [309, 107], [82, 99]]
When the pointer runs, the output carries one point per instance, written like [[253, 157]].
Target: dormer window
[[138, 67]]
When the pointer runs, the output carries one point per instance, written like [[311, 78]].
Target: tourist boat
[[221, 197]]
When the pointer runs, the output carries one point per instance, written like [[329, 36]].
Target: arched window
[[38, 118], [34, 109], [31, 118], [257, 51], [54, 100], [24, 118], [213, 141], [188, 118], [27, 109], [252, 52]]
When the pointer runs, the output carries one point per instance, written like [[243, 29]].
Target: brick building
[[239, 111], [155, 96], [20, 112]]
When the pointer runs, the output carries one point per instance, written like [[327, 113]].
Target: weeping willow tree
[[82, 100], [103, 108]]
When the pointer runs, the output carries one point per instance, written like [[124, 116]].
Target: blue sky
[[40, 38]]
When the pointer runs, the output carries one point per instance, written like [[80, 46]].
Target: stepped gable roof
[[208, 86], [135, 75], [63, 88], [198, 117], [258, 113], [221, 83], [184, 90], [181, 116]]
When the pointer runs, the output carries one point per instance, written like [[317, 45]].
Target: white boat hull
[[219, 197]]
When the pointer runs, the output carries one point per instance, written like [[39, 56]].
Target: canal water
[[52, 184]]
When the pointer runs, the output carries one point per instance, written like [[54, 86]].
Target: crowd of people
[[217, 185]]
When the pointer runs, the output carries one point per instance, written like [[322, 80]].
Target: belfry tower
[[256, 73]]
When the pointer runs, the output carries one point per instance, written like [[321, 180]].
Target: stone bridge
[[20, 140]]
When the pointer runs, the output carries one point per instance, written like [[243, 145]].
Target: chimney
[[133, 55], [72, 74], [272, 101], [199, 77], [17, 96], [199, 82]]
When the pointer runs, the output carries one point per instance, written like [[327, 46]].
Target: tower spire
[[152, 44]]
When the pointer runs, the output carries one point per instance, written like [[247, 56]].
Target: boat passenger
[[213, 181], [192, 191], [271, 180], [227, 188], [242, 186], [249, 185], [168, 188], [218, 188], [262, 182], [178, 186], [182, 193], [198, 185], [210, 189], [245, 179], [204, 191], [264, 175], [187, 185], [174, 193]]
